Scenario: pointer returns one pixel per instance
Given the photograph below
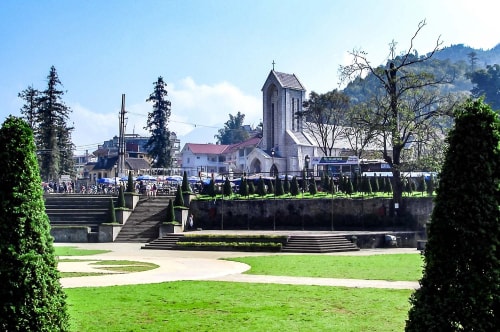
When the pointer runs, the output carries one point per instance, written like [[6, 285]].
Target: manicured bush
[[243, 189], [280, 191], [130, 183], [294, 188], [186, 188], [261, 189], [313, 190], [111, 211], [226, 189], [286, 185], [459, 290], [30, 291], [170, 212], [179, 199], [121, 198]]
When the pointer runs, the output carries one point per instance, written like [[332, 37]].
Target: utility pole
[[121, 140]]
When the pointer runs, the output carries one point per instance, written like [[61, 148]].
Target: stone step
[[164, 243], [318, 244]]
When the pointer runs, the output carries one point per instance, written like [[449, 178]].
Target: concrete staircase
[[144, 223], [318, 244], [78, 210], [164, 243]]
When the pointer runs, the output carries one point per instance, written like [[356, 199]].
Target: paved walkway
[[177, 265]]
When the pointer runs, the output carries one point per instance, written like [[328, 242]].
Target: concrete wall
[[312, 214], [70, 233]]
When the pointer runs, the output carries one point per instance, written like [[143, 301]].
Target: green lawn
[[74, 251], [226, 306], [404, 267]]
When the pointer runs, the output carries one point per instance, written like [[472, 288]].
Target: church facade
[[285, 146]]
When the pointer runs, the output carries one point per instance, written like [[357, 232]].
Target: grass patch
[[74, 251], [403, 267], [81, 274], [225, 306], [125, 266]]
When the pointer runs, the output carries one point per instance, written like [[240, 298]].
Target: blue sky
[[214, 55]]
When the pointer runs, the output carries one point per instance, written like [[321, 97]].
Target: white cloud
[[198, 111]]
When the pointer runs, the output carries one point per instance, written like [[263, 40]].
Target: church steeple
[[283, 95]]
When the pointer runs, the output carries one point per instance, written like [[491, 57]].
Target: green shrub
[[460, 284], [32, 297]]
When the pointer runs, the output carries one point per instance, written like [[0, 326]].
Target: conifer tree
[[332, 188], [270, 188], [121, 197], [313, 190], [294, 187], [431, 185], [130, 183], [375, 184], [226, 189], [261, 189], [53, 134], [459, 289], [30, 291], [388, 189], [422, 185], [251, 188], [186, 188], [159, 145], [286, 185], [349, 187], [170, 212], [179, 199], [111, 211], [279, 190], [243, 189]]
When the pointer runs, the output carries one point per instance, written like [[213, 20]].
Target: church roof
[[288, 80]]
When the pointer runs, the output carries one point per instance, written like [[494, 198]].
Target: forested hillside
[[456, 62]]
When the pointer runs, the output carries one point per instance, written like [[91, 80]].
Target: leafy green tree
[[233, 131], [294, 187], [487, 83], [159, 145], [226, 190], [186, 188], [53, 134], [32, 297], [179, 199], [459, 289]]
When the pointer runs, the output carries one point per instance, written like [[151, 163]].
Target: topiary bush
[[459, 290], [31, 294]]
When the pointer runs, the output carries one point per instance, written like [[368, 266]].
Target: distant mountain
[[453, 61], [460, 52]]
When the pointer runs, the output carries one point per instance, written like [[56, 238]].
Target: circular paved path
[[177, 265]]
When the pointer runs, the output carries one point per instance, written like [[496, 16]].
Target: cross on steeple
[[273, 64]]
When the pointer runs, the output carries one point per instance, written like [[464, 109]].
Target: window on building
[[293, 113]]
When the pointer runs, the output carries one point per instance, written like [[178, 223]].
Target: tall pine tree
[[53, 134], [158, 145], [460, 287]]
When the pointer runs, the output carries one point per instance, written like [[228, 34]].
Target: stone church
[[284, 148]]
